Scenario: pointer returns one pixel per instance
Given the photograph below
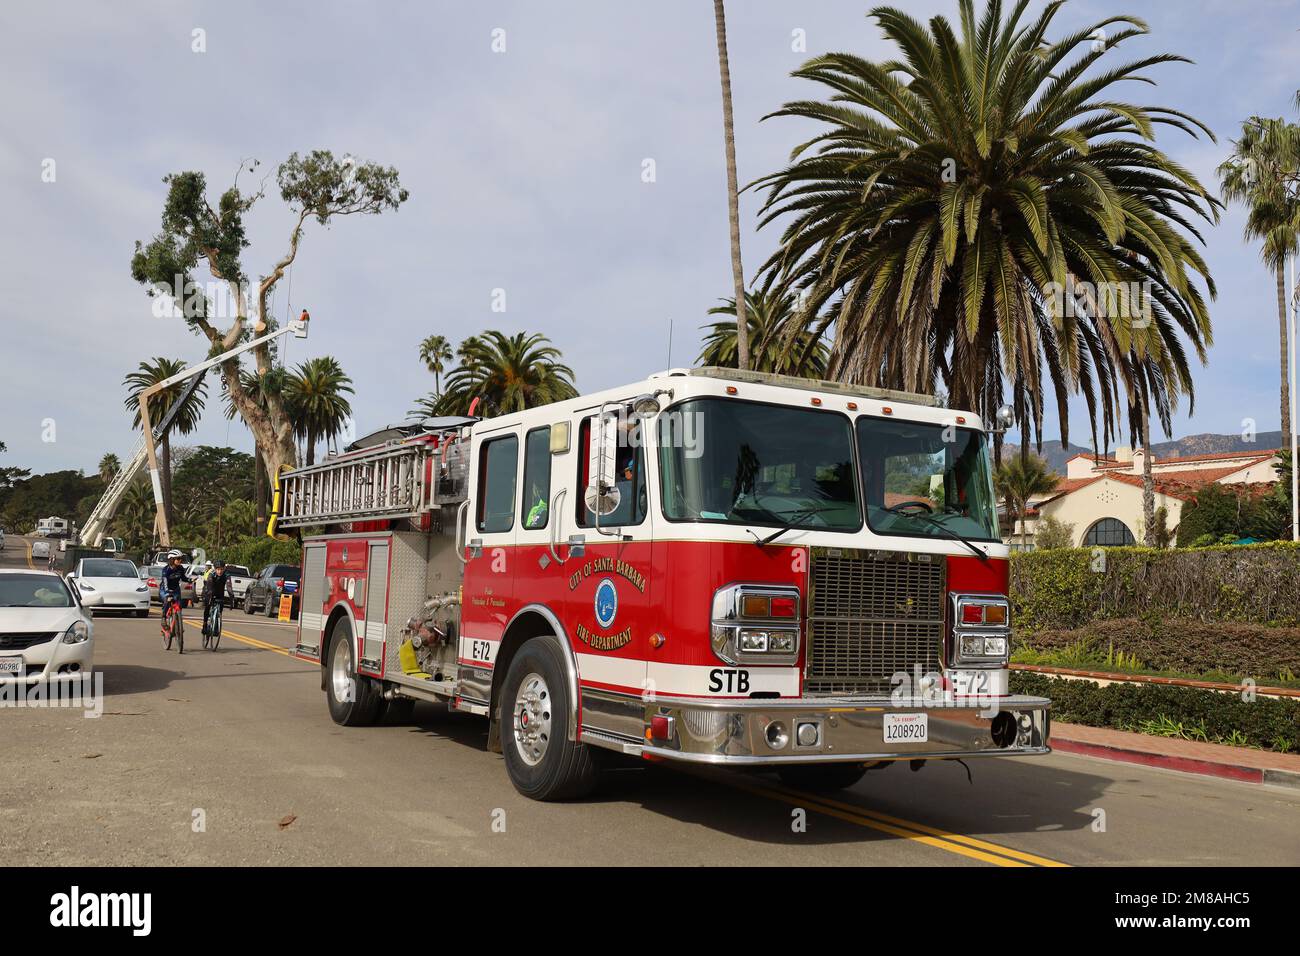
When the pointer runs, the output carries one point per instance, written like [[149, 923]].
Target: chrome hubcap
[[532, 719], [341, 671]]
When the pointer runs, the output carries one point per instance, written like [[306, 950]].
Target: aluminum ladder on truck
[[390, 481]]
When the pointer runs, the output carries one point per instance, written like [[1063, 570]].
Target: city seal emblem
[[606, 603]]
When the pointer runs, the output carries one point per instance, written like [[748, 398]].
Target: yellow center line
[[260, 645], [974, 842], [795, 799]]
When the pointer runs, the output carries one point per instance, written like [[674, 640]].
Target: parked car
[[155, 574], [41, 549], [273, 582], [44, 630], [240, 578], [2, 539], [110, 584]]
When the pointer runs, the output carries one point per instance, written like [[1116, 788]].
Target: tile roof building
[[1102, 496]]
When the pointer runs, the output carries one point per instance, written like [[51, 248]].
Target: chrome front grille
[[871, 615]]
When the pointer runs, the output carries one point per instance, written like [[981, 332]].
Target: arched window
[[1108, 533]]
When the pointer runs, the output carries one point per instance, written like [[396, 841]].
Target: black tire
[[363, 709], [558, 768], [248, 602], [214, 640], [272, 607], [822, 777], [166, 632]]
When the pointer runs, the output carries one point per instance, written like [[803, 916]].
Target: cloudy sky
[[525, 173]]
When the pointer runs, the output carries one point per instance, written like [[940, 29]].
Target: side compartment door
[[375, 613], [311, 606]]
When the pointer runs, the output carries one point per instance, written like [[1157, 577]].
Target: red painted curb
[[1185, 764]]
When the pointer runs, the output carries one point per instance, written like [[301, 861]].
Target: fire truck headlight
[[756, 623]]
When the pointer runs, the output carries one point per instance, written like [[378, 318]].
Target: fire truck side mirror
[[601, 495]]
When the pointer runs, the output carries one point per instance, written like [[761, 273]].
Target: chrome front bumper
[[740, 732]]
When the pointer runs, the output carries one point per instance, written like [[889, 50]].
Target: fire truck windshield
[[747, 463], [926, 480]]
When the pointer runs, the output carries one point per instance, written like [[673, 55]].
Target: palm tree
[[980, 209], [508, 374], [1263, 172], [1020, 479], [109, 466], [435, 353], [314, 399], [733, 193], [778, 335], [187, 418]]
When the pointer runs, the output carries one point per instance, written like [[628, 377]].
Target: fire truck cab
[[707, 566]]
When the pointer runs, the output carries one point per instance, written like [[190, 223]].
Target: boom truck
[[707, 566]]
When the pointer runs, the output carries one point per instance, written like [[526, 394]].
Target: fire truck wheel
[[542, 762], [822, 777], [353, 701]]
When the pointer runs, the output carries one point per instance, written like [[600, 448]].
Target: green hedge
[[1182, 645], [1267, 723], [1072, 587]]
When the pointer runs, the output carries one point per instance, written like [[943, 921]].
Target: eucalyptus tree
[[199, 231]]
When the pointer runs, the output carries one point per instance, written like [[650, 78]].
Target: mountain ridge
[[1206, 443]]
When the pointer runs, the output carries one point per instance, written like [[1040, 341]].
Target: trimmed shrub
[[1184, 645], [1267, 723], [1070, 588]]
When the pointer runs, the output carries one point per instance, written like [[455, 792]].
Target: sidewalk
[[1172, 753]]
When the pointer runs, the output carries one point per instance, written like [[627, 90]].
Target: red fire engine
[[707, 566]]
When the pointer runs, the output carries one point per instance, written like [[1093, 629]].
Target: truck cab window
[[537, 478], [498, 462], [629, 477]]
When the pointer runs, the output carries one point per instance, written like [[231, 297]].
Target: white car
[[40, 549], [44, 630], [110, 584]]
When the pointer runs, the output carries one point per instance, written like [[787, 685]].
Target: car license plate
[[11, 665], [907, 728]]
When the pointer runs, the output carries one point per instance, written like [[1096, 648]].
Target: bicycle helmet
[[218, 563], [174, 554]]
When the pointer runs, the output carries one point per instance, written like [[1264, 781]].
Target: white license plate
[[11, 665], [907, 728]]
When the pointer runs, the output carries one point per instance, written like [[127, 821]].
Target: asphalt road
[[231, 758]]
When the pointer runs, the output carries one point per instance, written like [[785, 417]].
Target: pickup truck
[[240, 579]]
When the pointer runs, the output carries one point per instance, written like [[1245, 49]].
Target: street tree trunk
[[1148, 485], [733, 193], [1282, 336]]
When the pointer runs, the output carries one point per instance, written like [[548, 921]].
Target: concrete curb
[[1209, 768]]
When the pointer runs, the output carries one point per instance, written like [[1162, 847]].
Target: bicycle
[[173, 626], [212, 626]]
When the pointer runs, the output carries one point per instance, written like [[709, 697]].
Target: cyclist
[[169, 584], [216, 588]]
